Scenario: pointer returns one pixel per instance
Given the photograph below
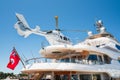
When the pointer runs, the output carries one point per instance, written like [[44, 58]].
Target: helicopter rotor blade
[[58, 29], [75, 30]]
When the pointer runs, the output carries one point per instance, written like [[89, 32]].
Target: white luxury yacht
[[96, 58]]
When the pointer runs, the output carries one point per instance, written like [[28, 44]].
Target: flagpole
[[20, 58]]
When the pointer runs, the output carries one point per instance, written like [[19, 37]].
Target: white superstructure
[[96, 58]]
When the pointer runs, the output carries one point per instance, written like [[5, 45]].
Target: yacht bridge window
[[90, 77], [96, 59], [119, 59], [86, 59], [92, 57]]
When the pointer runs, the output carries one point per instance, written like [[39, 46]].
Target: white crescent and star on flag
[[12, 61]]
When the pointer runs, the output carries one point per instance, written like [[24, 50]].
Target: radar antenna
[[99, 25]]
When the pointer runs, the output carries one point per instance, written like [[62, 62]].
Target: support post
[[20, 58], [52, 75], [78, 76]]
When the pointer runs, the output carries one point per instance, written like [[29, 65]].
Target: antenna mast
[[99, 24], [56, 19]]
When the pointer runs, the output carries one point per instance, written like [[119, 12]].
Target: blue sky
[[73, 14]]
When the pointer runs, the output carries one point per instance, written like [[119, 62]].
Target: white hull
[[112, 70]]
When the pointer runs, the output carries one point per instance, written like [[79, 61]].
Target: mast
[[99, 25], [56, 19]]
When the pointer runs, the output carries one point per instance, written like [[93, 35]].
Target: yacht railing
[[68, 60]]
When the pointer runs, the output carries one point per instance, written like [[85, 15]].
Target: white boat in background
[[96, 58]]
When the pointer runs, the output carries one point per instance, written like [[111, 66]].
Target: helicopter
[[54, 37]]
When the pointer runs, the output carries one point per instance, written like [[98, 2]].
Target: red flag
[[14, 60]]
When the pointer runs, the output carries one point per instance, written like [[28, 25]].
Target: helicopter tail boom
[[23, 28]]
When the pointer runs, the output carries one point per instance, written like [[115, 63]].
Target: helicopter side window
[[65, 38], [61, 37], [49, 32]]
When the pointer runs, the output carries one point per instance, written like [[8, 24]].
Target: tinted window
[[119, 61], [65, 38], [85, 77], [92, 57]]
